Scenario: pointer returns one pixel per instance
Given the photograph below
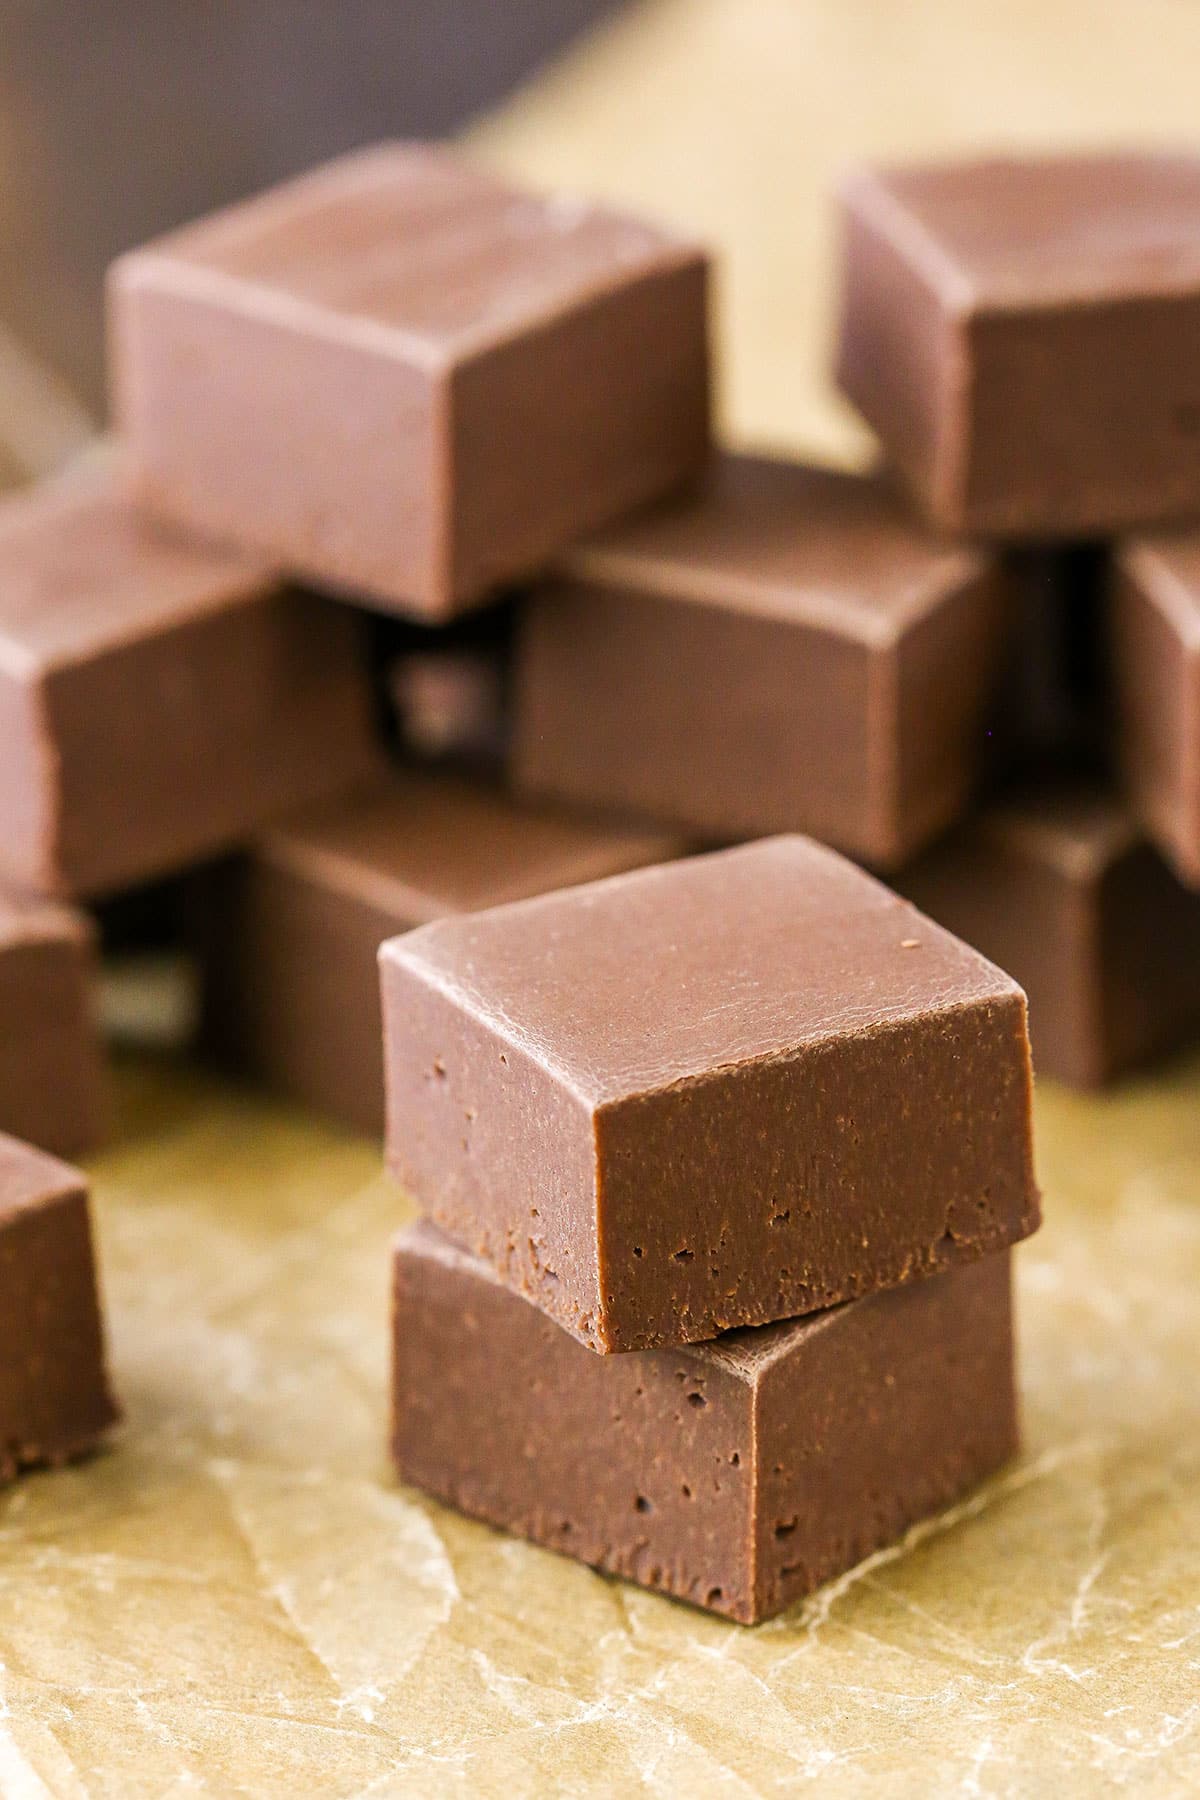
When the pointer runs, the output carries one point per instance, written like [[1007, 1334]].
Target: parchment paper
[[235, 1599]]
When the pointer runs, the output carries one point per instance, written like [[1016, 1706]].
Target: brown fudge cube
[[55, 1400], [1025, 337], [1059, 886], [709, 1094], [290, 932], [159, 699], [783, 651], [740, 1474], [51, 1062], [1156, 679], [402, 377]]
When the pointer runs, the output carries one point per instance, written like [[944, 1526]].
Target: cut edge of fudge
[[103, 615], [904, 380]]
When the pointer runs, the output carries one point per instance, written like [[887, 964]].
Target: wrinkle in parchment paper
[[236, 1598]]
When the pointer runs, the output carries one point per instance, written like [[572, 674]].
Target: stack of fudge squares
[[413, 607]]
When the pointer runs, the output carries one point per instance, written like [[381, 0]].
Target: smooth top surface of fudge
[[788, 541], [1001, 232], [408, 238], [29, 1177], [421, 846], [80, 572], [652, 979], [1166, 566]]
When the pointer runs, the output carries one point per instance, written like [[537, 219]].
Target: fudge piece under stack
[[738, 1474]]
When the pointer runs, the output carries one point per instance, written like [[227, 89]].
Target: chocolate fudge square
[[1024, 336], [714, 1093], [55, 1398], [402, 377], [52, 1083], [785, 649], [289, 932], [738, 1475], [1059, 884], [159, 698]]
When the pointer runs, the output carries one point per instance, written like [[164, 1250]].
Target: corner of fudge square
[[741, 1087]]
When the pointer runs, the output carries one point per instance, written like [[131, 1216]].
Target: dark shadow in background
[[119, 118]]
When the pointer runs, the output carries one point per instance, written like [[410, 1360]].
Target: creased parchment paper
[[235, 1599]]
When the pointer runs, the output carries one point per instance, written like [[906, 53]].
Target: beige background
[[236, 1600]]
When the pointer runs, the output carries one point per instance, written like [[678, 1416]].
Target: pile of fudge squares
[[414, 608]]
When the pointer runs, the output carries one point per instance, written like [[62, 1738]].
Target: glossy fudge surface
[[709, 1094], [739, 1474], [52, 1087], [402, 377], [1156, 678], [55, 1399], [1024, 336], [159, 698], [1061, 887], [785, 649], [290, 931]]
